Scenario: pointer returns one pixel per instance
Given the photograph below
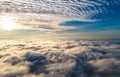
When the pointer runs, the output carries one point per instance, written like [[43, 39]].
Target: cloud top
[[59, 58]]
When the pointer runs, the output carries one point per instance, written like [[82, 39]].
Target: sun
[[7, 23]]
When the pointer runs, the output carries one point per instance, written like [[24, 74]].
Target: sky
[[60, 19]]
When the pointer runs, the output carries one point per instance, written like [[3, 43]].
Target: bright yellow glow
[[6, 23]]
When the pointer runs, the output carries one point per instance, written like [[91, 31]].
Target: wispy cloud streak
[[43, 13]]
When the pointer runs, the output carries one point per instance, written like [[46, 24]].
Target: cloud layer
[[60, 58], [47, 15]]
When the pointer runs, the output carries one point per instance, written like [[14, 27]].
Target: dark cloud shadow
[[37, 63]]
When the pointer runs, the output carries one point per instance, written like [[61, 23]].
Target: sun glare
[[7, 23]]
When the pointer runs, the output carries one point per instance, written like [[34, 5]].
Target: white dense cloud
[[60, 58]]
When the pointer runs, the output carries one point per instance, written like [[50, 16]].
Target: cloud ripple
[[48, 14]]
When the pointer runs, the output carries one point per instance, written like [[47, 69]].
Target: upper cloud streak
[[48, 14]]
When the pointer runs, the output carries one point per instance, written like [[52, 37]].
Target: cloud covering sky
[[61, 17], [63, 23]]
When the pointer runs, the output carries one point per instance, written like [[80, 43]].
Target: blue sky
[[81, 19]]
